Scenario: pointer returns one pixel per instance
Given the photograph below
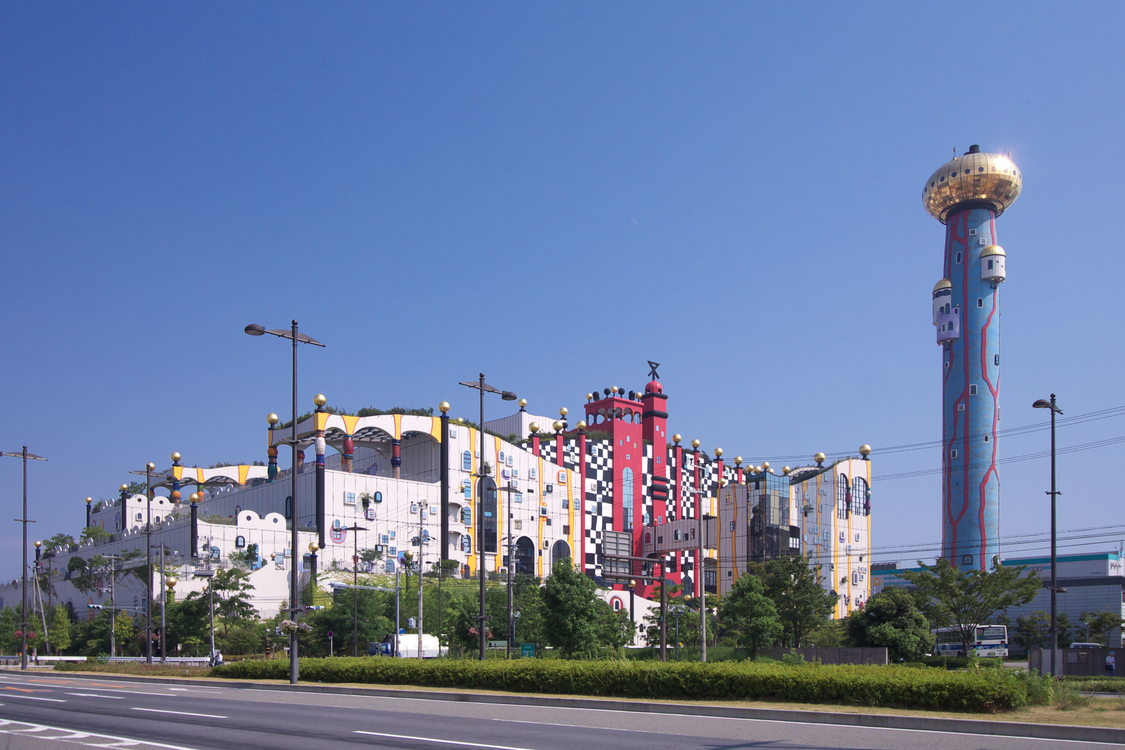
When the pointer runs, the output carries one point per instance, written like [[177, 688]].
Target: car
[[1081, 644]]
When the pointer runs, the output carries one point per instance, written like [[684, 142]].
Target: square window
[[349, 498], [982, 241], [972, 389], [960, 407], [980, 302], [953, 453], [972, 232]]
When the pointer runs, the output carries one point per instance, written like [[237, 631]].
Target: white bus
[[986, 640]]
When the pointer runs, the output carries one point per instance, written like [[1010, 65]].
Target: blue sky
[[553, 194]]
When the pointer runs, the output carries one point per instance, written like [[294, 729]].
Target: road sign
[[527, 650]]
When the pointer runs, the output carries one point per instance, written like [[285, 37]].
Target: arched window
[[843, 493], [467, 461], [860, 504], [627, 499]]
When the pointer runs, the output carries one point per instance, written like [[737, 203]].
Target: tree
[[1097, 625], [232, 599], [56, 544], [571, 612], [794, 587], [1032, 630], [892, 619], [58, 628], [750, 617], [963, 599], [94, 535]]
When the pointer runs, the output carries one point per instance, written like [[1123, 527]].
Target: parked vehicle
[[408, 647]]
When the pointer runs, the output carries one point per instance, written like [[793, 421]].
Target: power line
[[1080, 447]]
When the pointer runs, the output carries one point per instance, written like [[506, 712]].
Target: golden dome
[[320, 399], [865, 450], [564, 411], [695, 445], [89, 500], [123, 487], [677, 438], [589, 397], [991, 179], [718, 453], [272, 419], [443, 407], [613, 390], [171, 582], [942, 284], [582, 424], [819, 458], [523, 403], [313, 547], [765, 465], [38, 543], [176, 457], [738, 460], [557, 425], [991, 250], [533, 427], [785, 470]]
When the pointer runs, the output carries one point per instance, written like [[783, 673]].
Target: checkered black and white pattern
[[599, 497], [547, 450]]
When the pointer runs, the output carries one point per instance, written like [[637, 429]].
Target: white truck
[[408, 646]]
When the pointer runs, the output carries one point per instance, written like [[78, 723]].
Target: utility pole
[[355, 528], [23, 454], [112, 611], [421, 570]]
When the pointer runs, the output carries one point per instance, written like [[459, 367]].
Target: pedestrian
[[1110, 664]]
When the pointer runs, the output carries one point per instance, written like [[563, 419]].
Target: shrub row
[[887, 686], [961, 662]]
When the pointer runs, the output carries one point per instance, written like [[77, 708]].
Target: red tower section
[[619, 418]]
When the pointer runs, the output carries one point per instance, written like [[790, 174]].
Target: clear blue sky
[[553, 194]]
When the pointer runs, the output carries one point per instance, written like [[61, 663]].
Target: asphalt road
[[56, 710]]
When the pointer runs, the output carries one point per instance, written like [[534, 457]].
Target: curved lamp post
[[253, 329], [1045, 404]]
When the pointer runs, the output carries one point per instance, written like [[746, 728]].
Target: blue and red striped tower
[[966, 194]]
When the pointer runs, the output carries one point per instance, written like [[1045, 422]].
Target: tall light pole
[[483, 388], [1045, 404], [253, 329], [355, 529], [210, 576], [148, 562], [25, 456]]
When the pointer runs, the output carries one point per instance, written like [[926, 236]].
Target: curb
[[874, 721]]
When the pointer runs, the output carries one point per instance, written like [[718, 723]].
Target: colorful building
[[967, 194]]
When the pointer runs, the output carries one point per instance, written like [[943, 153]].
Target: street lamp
[[253, 329], [1045, 404], [23, 454], [210, 576], [169, 585], [483, 388], [355, 529]]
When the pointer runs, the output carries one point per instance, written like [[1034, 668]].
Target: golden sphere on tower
[[718, 453], [614, 390], [582, 424], [677, 438], [564, 411], [150, 466], [589, 397], [170, 582], [320, 399], [557, 425], [313, 547], [196, 497], [523, 402], [765, 465], [695, 444], [819, 458], [123, 487], [272, 419], [738, 460], [443, 407], [785, 470], [533, 427], [38, 543], [176, 457], [89, 500], [865, 450], [973, 177], [758, 469]]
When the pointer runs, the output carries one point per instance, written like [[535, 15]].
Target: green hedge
[[961, 662], [889, 686]]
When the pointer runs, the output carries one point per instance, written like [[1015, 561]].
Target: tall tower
[[966, 194]]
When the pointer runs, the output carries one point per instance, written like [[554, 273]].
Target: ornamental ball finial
[[313, 547], [150, 466], [557, 425], [677, 438], [443, 407], [38, 543], [564, 411], [320, 399], [272, 419], [695, 445], [738, 460], [533, 427], [865, 450], [785, 470], [175, 495], [614, 390], [523, 403], [171, 582], [582, 424], [89, 500], [123, 487], [718, 453], [176, 457], [819, 458], [589, 397]]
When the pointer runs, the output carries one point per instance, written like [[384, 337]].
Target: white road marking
[[118, 741], [178, 713], [435, 739], [33, 698], [98, 695]]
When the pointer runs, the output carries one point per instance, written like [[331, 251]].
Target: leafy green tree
[[829, 634], [373, 624], [1097, 626], [963, 599], [94, 535], [56, 544], [793, 585], [9, 624], [1032, 630], [187, 626], [58, 629], [571, 612], [748, 616], [892, 619], [615, 629]]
